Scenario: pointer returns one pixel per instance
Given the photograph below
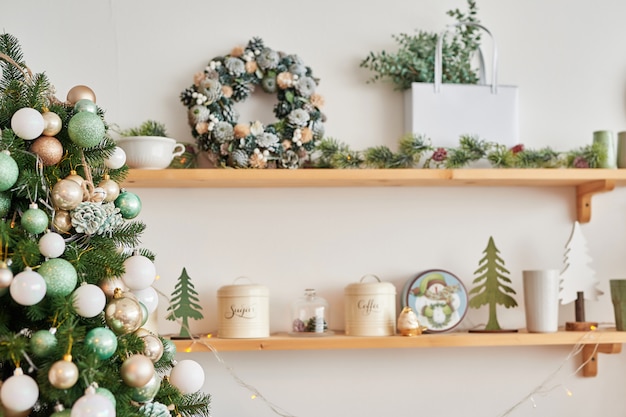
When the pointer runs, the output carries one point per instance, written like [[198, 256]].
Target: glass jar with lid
[[310, 315]]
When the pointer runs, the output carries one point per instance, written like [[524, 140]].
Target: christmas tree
[[72, 274], [491, 285], [184, 303]]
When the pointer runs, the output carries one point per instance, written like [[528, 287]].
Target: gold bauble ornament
[[80, 92], [110, 187], [67, 194], [52, 123], [63, 374], [48, 148], [109, 285], [137, 370], [62, 221], [153, 347], [123, 314], [75, 177]]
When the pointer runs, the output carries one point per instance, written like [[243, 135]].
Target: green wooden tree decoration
[[491, 285], [184, 304]]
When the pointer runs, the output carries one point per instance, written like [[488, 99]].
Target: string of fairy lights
[[546, 386]]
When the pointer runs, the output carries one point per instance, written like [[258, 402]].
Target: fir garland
[[416, 151]]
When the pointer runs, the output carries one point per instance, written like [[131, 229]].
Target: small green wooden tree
[[491, 285], [184, 304]]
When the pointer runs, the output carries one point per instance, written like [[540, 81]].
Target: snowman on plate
[[437, 301]]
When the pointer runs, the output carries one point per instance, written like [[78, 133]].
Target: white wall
[[566, 57]]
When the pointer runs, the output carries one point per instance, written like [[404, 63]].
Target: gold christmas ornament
[[80, 92], [63, 374], [109, 285], [75, 177], [153, 347], [52, 123], [67, 195], [62, 221], [110, 187], [123, 314], [48, 148], [408, 325], [137, 370]]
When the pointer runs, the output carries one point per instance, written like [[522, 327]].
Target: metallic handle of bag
[[438, 56]]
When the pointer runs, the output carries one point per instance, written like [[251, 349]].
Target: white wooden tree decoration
[[578, 282]]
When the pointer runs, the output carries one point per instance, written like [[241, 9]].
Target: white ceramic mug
[[541, 300], [150, 152]]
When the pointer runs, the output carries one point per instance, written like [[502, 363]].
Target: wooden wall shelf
[[587, 182], [599, 341]]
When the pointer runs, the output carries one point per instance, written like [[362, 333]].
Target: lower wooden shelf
[[593, 342]]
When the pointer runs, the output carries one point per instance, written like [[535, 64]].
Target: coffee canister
[[243, 311], [370, 308]]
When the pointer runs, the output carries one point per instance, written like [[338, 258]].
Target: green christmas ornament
[[8, 171], [60, 276], [5, 203], [86, 129], [42, 342], [144, 312], [84, 104], [169, 350], [129, 204], [101, 341], [108, 394], [34, 220], [148, 391]]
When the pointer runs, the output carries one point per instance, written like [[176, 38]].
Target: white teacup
[[149, 152]]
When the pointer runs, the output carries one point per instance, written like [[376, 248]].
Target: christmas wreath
[[229, 79]]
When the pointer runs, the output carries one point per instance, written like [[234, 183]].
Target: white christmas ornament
[[148, 297], [92, 405], [52, 245], [89, 300], [188, 376], [19, 392], [28, 287], [27, 123], [117, 159], [139, 273]]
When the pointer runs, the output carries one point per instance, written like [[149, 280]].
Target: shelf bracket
[[590, 356], [584, 192]]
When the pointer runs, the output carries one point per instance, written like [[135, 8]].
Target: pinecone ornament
[[154, 409]]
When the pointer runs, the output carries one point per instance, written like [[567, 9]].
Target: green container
[[618, 297]]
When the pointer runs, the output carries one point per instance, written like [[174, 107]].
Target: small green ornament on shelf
[[184, 304], [492, 287]]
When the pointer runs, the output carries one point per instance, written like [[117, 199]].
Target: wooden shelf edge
[[594, 342], [280, 178], [282, 341]]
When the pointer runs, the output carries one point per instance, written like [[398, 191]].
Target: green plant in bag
[[414, 61]]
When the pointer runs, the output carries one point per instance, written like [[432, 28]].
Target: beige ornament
[[408, 325]]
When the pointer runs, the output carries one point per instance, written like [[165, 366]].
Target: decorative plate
[[438, 298]]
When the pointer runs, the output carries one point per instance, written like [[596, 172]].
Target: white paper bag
[[444, 112]]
